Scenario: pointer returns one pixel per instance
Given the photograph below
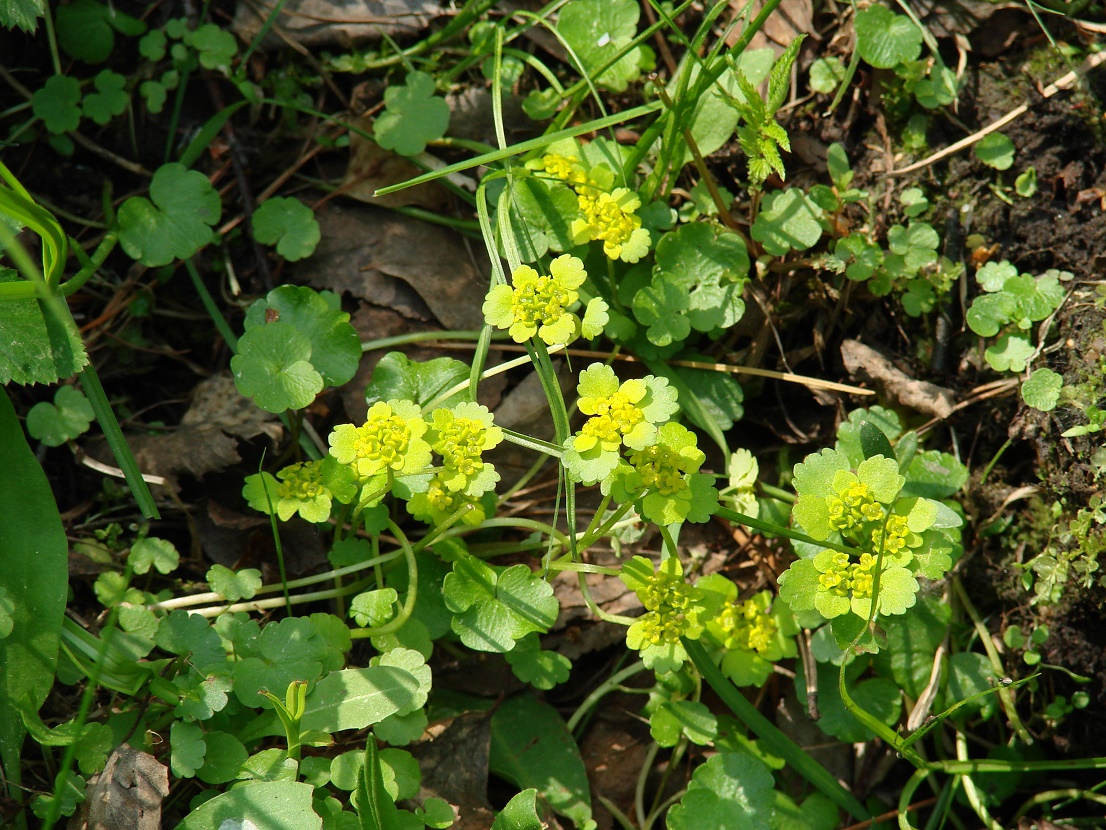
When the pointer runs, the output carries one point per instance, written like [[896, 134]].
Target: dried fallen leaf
[[338, 23], [928, 398], [127, 795], [371, 167]]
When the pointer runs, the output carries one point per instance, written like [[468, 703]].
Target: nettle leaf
[[730, 791], [110, 98], [995, 150], [711, 266], [335, 349], [57, 104], [86, 29], [597, 30], [273, 366], [35, 345], [22, 13], [151, 552], [788, 220], [356, 698], [495, 607], [289, 224], [1010, 353], [67, 417], [885, 39], [413, 116], [532, 747], [176, 223], [674, 719], [396, 377], [1042, 390], [234, 585], [532, 664]]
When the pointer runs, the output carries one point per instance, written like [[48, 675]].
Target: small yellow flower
[[565, 168], [390, 440], [611, 217], [539, 304]]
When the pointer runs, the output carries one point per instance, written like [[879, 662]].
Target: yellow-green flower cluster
[[844, 577], [748, 625], [671, 609], [461, 435], [607, 213], [543, 305], [438, 503], [853, 505], [390, 442]]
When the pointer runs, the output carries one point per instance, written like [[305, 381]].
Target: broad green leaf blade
[[730, 791], [34, 564], [396, 377], [873, 441], [176, 223], [521, 813], [288, 224], [260, 805], [356, 698], [36, 346], [531, 747]]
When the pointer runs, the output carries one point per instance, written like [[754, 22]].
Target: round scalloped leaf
[[885, 39], [288, 224], [995, 150], [730, 790], [176, 223], [1042, 390], [273, 367], [86, 29], [334, 348], [711, 265], [787, 219], [57, 104], [597, 30], [67, 417], [1010, 353], [413, 116]]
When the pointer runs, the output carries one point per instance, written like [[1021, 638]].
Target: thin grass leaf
[[772, 738]]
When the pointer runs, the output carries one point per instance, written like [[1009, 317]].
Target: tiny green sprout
[[390, 441], [664, 481], [542, 305], [755, 633], [625, 414], [461, 436], [672, 611], [742, 474]]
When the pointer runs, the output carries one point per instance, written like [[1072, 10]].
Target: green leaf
[[991, 312], [495, 607], [826, 74], [109, 99], [720, 396], [72, 794], [711, 266], [234, 585], [531, 747], [541, 214], [912, 643], [878, 696], [413, 116], [190, 635], [521, 813], [396, 377], [885, 39], [873, 441], [1042, 390], [34, 564], [373, 608], [596, 31], [67, 417], [35, 345], [934, 475], [788, 219], [356, 698], [150, 552], [187, 749], [729, 792], [176, 223], [57, 104], [674, 719], [663, 306], [414, 663], [22, 13], [258, 805], [1025, 185], [969, 674], [289, 224], [1010, 353], [223, 759], [335, 350], [995, 150], [7, 608], [86, 29], [541, 669], [273, 366], [215, 45]]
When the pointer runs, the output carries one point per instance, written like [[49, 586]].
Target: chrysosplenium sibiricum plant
[[893, 539]]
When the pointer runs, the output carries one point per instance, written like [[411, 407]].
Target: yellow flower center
[[564, 168], [747, 626], [614, 417], [301, 482], [660, 470], [668, 600], [541, 301], [384, 440], [606, 219], [852, 506], [461, 444]]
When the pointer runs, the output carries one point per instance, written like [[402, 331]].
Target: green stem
[[779, 530], [777, 493], [412, 590], [609, 685]]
